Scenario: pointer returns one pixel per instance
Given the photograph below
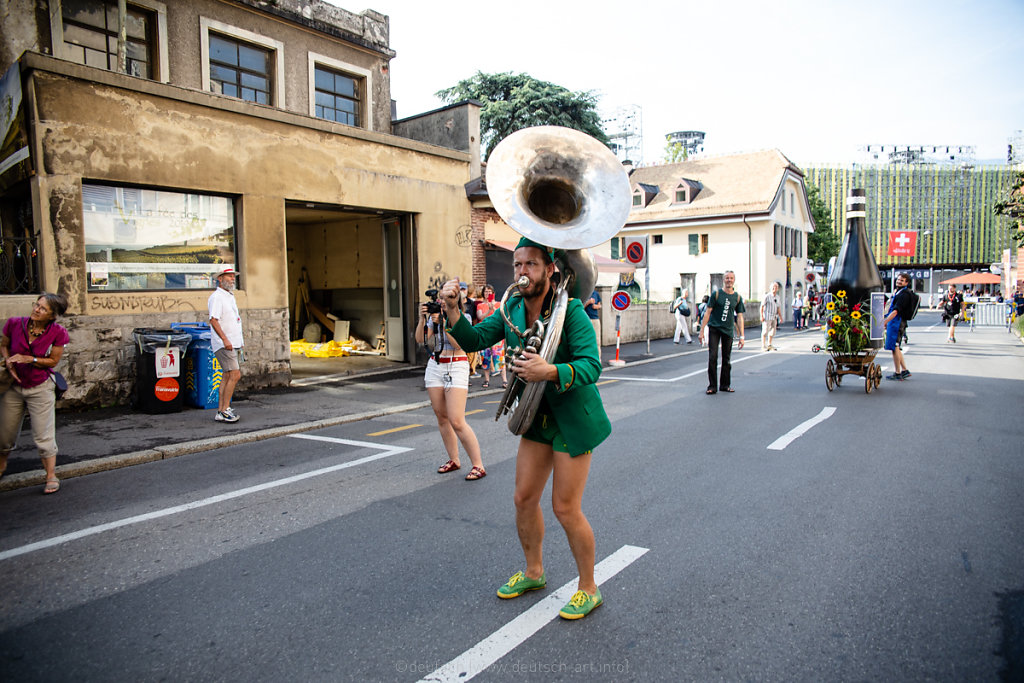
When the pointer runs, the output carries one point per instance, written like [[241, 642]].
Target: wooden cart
[[861, 363]]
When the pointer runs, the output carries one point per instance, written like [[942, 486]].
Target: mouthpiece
[[523, 281]]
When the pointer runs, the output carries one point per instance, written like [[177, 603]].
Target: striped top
[[769, 307]]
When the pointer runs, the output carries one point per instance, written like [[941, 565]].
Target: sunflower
[[847, 326], [832, 333], [841, 294], [836, 319], [831, 305], [855, 315]]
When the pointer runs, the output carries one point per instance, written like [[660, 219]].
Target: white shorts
[[447, 375]]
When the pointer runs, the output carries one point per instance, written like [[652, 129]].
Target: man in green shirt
[[724, 311]]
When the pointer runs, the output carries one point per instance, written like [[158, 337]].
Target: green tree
[[674, 151], [824, 242], [1012, 206], [515, 101]]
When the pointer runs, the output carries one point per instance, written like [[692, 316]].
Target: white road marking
[[386, 451], [801, 429], [478, 658], [954, 392], [703, 371]]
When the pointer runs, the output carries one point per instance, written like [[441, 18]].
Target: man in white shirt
[[769, 317], [681, 309], [226, 341]]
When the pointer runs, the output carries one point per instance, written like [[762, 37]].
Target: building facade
[[747, 213], [948, 206], [222, 133]]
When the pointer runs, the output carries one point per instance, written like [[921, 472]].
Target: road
[[747, 536]]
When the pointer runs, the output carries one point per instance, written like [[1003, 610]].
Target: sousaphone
[[563, 189]]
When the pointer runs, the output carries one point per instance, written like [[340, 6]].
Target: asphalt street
[[783, 532]]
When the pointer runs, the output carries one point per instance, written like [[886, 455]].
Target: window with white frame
[[241, 63], [145, 239], [340, 92]]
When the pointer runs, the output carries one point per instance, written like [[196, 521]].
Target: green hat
[[527, 242]]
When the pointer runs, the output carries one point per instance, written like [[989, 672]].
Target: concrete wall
[[105, 127], [454, 127]]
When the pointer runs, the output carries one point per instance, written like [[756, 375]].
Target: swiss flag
[[902, 242]]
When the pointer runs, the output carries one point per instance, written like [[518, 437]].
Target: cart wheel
[[830, 375], [869, 380], [878, 374]]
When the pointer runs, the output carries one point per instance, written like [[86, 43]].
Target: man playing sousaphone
[[569, 425]]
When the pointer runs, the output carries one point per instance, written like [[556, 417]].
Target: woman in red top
[[31, 348], [492, 359]]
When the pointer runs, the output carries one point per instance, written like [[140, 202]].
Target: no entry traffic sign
[[621, 301]]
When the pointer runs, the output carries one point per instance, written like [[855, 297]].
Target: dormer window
[[686, 191], [643, 194]]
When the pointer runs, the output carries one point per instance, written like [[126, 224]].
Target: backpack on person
[[911, 302]]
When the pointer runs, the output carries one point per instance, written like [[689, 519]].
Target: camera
[[433, 306]]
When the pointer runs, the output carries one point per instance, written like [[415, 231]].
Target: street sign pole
[[647, 293], [620, 302]]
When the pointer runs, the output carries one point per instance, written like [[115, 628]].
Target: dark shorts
[[545, 430]]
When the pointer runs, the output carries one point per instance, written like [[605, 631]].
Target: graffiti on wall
[[140, 303], [463, 235]]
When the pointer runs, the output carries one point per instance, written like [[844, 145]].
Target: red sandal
[[449, 466], [476, 473]]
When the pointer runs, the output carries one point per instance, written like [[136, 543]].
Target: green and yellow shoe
[[580, 605], [519, 584]]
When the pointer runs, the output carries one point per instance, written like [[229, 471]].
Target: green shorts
[[545, 430]]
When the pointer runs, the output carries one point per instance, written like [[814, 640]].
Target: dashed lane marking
[[479, 658], [386, 451], [801, 429]]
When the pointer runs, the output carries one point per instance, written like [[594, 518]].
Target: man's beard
[[534, 289]]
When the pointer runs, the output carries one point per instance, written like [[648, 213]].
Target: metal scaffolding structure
[[624, 126]]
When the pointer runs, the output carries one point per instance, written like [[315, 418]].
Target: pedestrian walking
[[226, 341], [724, 313], [570, 424], [952, 306], [770, 317], [798, 310], [681, 309], [32, 346]]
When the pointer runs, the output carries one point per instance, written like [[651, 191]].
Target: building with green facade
[[949, 206]]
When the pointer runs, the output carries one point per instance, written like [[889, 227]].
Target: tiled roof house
[[743, 212]]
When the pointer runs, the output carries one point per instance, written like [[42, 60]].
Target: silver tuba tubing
[[563, 189]]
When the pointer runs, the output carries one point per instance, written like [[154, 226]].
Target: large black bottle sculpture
[[856, 271]]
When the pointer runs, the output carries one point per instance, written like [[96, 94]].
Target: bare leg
[[448, 437], [227, 389], [455, 402], [533, 466], [567, 502]]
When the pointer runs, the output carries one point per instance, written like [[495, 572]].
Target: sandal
[[711, 391], [449, 466], [52, 486], [504, 385], [485, 385], [476, 473], [729, 390]]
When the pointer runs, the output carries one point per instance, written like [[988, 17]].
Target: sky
[[817, 79]]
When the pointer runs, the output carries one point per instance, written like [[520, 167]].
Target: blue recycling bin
[[202, 371]]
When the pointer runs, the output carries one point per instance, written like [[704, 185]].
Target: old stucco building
[[220, 132]]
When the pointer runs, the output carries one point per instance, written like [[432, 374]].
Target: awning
[[973, 279], [604, 264]]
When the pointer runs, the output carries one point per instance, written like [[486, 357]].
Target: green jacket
[[575, 402]]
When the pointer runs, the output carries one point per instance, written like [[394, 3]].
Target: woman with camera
[[447, 382], [32, 347]]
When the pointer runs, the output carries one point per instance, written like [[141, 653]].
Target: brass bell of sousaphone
[[563, 189]]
